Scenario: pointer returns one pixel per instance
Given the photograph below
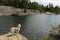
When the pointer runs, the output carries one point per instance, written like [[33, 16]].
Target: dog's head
[[15, 29]]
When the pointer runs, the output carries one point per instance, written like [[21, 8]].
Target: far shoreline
[[11, 11]]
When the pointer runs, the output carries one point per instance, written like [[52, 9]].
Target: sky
[[46, 2]]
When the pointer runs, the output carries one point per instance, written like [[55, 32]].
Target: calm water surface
[[32, 25]]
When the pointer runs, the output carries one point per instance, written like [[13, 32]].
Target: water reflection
[[41, 24]]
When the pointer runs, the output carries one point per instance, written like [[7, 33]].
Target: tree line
[[27, 4]]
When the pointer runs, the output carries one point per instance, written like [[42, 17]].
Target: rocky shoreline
[[7, 10], [14, 37]]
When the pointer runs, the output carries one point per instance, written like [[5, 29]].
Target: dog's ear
[[19, 25]]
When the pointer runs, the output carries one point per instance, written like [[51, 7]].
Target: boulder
[[12, 37]]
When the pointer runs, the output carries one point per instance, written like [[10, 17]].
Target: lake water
[[34, 27]]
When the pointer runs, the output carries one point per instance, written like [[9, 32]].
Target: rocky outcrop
[[12, 37], [55, 33], [7, 10]]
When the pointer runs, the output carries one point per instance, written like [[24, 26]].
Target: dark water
[[33, 26], [6, 22]]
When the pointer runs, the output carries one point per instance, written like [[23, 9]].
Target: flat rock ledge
[[13, 37], [7, 10]]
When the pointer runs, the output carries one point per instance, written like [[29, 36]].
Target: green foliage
[[51, 9], [34, 5], [47, 38], [52, 26], [57, 10], [9, 2], [59, 32], [26, 4], [34, 37], [2, 2]]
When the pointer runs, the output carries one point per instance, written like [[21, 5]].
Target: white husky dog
[[15, 30], [13, 34]]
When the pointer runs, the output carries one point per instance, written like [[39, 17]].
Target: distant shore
[[7, 10]]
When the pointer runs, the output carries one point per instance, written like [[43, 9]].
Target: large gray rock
[[12, 37], [8, 10]]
